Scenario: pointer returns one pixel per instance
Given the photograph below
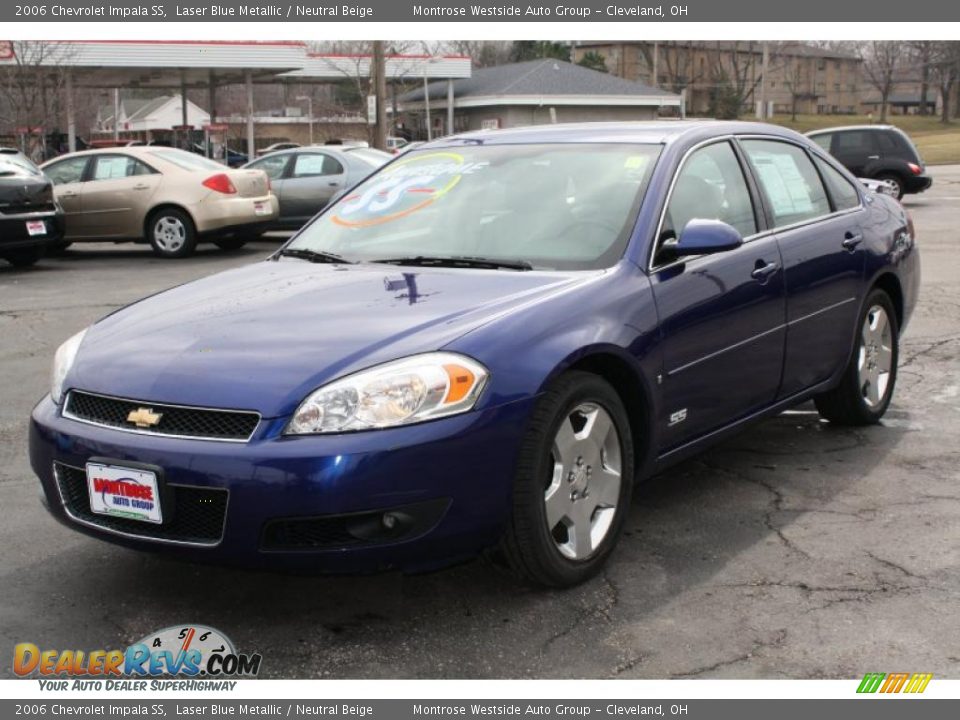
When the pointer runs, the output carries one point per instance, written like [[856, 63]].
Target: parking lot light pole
[[309, 100], [251, 150], [71, 115]]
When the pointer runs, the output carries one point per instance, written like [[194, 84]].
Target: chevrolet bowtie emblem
[[144, 417]]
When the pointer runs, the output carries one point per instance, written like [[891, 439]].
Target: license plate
[[36, 227], [124, 492], [261, 208]]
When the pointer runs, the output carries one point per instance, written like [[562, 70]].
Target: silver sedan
[[305, 179]]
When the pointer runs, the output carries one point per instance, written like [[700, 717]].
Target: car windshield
[[556, 207], [186, 160]]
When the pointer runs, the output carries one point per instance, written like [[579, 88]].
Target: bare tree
[[483, 53], [31, 85], [881, 61], [945, 72]]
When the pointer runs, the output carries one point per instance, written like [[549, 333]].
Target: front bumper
[[448, 480]]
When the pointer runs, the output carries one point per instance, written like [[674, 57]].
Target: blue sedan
[[481, 348]]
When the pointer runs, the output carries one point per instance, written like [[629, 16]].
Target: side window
[[710, 186], [855, 141], [67, 171], [888, 143], [272, 165], [789, 181], [823, 140], [845, 195], [112, 167], [314, 164]]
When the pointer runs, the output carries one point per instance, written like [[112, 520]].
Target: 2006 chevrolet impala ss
[[481, 347]]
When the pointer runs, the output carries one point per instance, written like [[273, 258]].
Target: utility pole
[[380, 93], [765, 62]]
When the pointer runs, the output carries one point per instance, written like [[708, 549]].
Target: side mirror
[[702, 237]]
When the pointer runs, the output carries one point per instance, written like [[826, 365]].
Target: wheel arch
[[148, 217], [630, 384], [890, 284]]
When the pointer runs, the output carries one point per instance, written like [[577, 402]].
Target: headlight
[[62, 362], [401, 392]]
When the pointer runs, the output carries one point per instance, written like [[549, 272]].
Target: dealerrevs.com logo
[[181, 651]]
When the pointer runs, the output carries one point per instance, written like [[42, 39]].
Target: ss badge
[[678, 417]]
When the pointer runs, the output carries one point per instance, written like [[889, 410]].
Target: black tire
[[230, 244], [23, 258], [528, 544], [181, 240], [846, 404], [896, 180]]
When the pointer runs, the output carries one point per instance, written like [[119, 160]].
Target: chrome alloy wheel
[[584, 486], [169, 233], [876, 356]]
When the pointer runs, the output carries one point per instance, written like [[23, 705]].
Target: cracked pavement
[[794, 550]]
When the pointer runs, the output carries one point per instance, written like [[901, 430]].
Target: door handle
[[763, 270], [69, 194], [851, 240], [873, 157], [141, 187]]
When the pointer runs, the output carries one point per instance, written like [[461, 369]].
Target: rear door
[[117, 196], [721, 315], [68, 186], [816, 213], [855, 149]]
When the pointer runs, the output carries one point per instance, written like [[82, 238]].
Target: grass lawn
[[938, 144]]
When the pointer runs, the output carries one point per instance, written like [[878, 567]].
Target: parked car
[[877, 152], [396, 144], [483, 346], [170, 198], [277, 146], [31, 222], [306, 179]]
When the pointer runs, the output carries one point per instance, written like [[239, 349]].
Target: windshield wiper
[[465, 261], [316, 256]]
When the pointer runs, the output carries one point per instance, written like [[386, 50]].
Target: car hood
[[261, 337]]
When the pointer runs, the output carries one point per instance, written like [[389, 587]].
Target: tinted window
[[854, 141], [315, 164], [111, 167], [67, 171], [710, 186], [823, 140], [556, 206], [790, 183], [888, 143], [845, 195], [272, 165]]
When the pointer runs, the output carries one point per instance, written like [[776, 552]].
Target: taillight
[[220, 183], [915, 169]]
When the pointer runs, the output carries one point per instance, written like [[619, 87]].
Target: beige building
[[722, 78]]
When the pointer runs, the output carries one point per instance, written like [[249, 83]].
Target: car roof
[[657, 132], [841, 128]]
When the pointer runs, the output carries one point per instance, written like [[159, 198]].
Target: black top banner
[[737, 11]]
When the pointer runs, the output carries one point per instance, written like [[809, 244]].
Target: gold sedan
[[167, 197]]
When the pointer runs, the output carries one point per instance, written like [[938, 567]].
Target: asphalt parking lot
[[796, 550]]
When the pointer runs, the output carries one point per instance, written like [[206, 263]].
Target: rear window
[[371, 156], [186, 160], [17, 165], [845, 195]]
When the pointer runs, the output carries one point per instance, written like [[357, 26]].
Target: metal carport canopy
[[198, 63]]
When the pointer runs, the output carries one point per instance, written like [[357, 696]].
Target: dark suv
[[31, 222], [879, 152]]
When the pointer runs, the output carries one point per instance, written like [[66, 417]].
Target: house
[[141, 119], [535, 92], [801, 77]]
